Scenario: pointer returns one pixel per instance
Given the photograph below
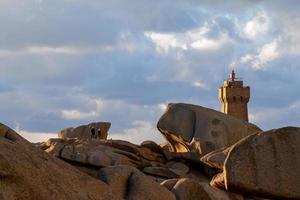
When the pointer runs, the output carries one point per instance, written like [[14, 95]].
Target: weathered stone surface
[[27, 172], [191, 128], [178, 168], [143, 152], [83, 132], [182, 156], [218, 181], [266, 164], [217, 194], [160, 171], [129, 183], [189, 189], [166, 146], [54, 146], [255, 198], [216, 159], [170, 183], [197, 174], [99, 159], [103, 153], [96, 154], [157, 164], [152, 146]]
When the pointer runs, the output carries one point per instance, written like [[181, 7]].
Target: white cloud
[[295, 107], [293, 43], [196, 39], [291, 34], [275, 117], [200, 84], [52, 50], [123, 43], [74, 114], [162, 107], [35, 136], [165, 41], [246, 58], [5, 53], [141, 131], [265, 55], [211, 44], [43, 50], [258, 25]]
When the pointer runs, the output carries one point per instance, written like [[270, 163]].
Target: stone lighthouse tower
[[234, 97]]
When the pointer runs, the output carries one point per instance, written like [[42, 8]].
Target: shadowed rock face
[[216, 159], [190, 189], [131, 184], [191, 128], [27, 172], [84, 131], [266, 164]]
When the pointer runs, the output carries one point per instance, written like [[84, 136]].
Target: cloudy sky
[[69, 62]]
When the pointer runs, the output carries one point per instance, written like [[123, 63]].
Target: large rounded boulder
[[266, 164], [191, 128]]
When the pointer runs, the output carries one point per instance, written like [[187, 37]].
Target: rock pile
[[27, 172], [208, 155]]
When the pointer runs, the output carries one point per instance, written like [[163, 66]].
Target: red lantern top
[[232, 76]]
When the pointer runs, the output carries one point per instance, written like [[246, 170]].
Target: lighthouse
[[234, 97]]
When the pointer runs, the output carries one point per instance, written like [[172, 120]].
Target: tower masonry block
[[234, 98]]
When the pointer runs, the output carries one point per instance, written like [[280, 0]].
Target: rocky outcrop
[[27, 172], [91, 155], [266, 164], [131, 184], [102, 153], [260, 165], [84, 132], [191, 128]]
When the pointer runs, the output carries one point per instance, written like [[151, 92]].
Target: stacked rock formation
[[207, 155], [83, 132]]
